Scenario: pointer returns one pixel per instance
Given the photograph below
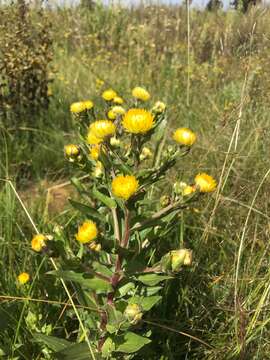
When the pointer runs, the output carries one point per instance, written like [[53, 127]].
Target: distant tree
[[214, 5], [245, 5]]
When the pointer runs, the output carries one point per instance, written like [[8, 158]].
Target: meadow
[[212, 70]]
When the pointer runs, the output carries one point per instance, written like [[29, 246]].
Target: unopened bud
[[175, 259], [178, 187], [133, 313], [98, 170], [164, 200], [114, 141], [72, 152], [159, 107], [95, 247], [146, 153]]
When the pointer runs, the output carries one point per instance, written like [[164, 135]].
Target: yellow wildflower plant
[[109, 95], [138, 121], [38, 242], [206, 183], [140, 93], [87, 232], [124, 186], [102, 129], [184, 136], [23, 278], [134, 212], [88, 104]]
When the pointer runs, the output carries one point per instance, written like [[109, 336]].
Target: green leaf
[[54, 343], [87, 210], [79, 351], [123, 290], [108, 347], [130, 343], [152, 279], [78, 185], [87, 281], [145, 302], [109, 202]]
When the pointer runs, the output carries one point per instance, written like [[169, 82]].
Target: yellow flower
[[140, 93], [88, 104], [92, 139], [184, 136], [77, 107], [94, 152], [87, 232], [118, 100], [124, 186], [138, 121], [38, 242], [102, 128], [205, 183], [115, 142], [188, 190], [109, 95], [23, 278], [159, 107]]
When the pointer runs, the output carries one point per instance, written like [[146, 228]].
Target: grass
[[224, 300]]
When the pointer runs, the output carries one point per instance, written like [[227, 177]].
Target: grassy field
[[213, 72]]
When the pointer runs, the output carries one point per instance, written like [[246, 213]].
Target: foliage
[[26, 51]]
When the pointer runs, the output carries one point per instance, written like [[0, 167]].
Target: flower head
[[159, 107], [184, 136], [77, 107], [205, 183], [94, 246], [23, 278], [133, 313], [38, 242], [102, 129], [188, 190], [118, 100], [98, 169], [92, 139], [88, 104], [140, 93], [124, 186], [146, 153], [94, 152], [87, 232], [138, 121], [109, 95]]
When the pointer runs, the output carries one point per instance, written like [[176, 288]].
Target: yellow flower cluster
[[138, 121], [80, 106], [87, 232], [109, 95], [124, 186]]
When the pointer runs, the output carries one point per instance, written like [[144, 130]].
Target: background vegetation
[[213, 71]]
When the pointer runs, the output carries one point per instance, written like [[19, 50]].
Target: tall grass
[[224, 300]]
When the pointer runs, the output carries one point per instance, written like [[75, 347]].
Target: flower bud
[[72, 152], [146, 153], [175, 259], [133, 313], [179, 258], [95, 247], [98, 170], [115, 142], [159, 107], [178, 187], [164, 200]]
